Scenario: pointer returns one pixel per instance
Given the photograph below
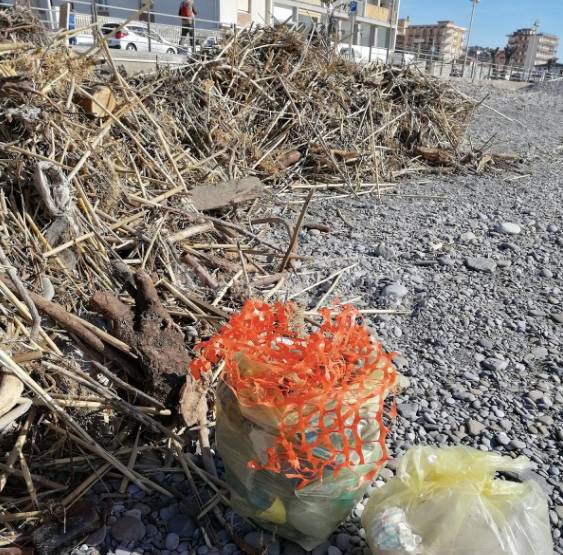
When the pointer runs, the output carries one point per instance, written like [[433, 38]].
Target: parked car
[[136, 37], [210, 46]]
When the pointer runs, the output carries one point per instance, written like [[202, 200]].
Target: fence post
[[64, 15], [94, 9], [149, 26]]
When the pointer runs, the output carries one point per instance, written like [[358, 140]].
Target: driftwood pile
[[132, 214]]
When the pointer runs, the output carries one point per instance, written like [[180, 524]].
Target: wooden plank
[[221, 195]]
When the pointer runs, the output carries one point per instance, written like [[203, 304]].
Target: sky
[[494, 19]]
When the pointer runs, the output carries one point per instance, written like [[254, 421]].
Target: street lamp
[[532, 49], [474, 2]]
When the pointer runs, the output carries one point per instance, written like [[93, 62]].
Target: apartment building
[[375, 20], [444, 39], [532, 48]]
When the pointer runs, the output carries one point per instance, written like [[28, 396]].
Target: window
[[382, 37], [283, 14], [307, 17]]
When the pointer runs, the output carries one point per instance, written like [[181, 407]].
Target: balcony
[[378, 12]]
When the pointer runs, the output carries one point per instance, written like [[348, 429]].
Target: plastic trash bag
[[447, 501], [306, 515], [299, 417]]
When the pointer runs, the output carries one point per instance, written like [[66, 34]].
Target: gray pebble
[[481, 264], [96, 538], [166, 513], [408, 410], [540, 352], [502, 439], [517, 444], [128, 529], [509, 228], [182, 525], [474, 427], [384, 251], [535, 395], [467, 237], [394, 291], [152, 530], [229, 549], [495, 364], [343, 541], [446, 260], [505, 424], [486, 343], [172, 541]]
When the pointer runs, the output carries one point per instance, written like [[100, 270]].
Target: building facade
[[444, 39], [374, 24], [532, 48], [373, 27]]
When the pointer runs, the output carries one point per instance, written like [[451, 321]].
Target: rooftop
[[529, 31]]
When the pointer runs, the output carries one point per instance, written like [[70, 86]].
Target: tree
[[331, 7], [509, 51], [550, 63]]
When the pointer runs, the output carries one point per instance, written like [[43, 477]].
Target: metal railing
[[91, 14], [474, 70]]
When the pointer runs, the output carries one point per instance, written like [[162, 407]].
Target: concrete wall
[[258, 11]]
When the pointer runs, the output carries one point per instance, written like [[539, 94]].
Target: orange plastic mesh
[[319, 382]]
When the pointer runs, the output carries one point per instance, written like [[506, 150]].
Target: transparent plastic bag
[[306, 515], [300, 416], [447, 501]]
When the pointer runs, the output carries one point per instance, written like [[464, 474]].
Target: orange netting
[[318, 386]]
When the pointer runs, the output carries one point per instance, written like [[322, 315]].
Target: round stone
[[502, 439], [509, 228], [172, 541], [182, 525], [343, 541], [128, 529]]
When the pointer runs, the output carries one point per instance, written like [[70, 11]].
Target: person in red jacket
[[187, 12]]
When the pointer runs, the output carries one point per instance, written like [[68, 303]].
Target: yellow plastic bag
[[447, 501]]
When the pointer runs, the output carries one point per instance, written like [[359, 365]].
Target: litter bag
[[299, 417], [447, 501]]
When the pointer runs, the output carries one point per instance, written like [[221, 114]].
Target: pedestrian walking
[[187, 12], [72, 25]]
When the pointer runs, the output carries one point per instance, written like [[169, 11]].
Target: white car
[[136, 37]]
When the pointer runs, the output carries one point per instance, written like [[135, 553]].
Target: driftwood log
[[152, 335]]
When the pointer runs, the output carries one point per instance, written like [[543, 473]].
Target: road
[[141, 62]]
